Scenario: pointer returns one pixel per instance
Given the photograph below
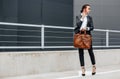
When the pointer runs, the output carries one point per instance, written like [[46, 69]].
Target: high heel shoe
[[83, 71], [93, 70]]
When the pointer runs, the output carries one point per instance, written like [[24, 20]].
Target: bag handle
[[83, 31]]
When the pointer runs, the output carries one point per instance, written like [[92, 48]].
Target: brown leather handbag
[[83, 41]]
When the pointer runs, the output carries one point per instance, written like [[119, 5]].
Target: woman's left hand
[[83, 30]]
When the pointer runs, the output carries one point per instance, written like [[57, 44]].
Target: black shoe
[[94, 73], [83, 74]]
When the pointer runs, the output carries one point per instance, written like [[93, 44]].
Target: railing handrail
[[49, 26], [33, 25]]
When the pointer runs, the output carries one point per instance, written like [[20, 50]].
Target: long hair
[[84, 6]]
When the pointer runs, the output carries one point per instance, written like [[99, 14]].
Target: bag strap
[[83, 31]]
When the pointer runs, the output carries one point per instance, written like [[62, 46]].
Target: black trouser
[[91, 54]]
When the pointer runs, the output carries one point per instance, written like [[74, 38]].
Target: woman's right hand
[[83, 29], [83, 15]]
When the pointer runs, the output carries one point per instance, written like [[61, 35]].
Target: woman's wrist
[[88, 28]]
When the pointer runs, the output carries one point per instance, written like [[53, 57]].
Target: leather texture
[[82, 40]]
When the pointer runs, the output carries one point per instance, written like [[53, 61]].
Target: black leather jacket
[[89, 24]]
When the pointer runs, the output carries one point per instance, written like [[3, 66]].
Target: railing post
[[42, 36], [107, 38]]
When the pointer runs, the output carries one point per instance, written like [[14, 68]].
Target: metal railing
[[46, 34]]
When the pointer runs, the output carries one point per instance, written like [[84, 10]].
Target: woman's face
[[87, 9]]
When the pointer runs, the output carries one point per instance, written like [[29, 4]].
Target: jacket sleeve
[[91, 24], [78, 25]]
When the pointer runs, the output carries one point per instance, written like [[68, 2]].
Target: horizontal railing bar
[[107, 30], [56, 37], [20, 30], [58, 42], [98, 38], [100, 30], [98, 34], [20, 36], [19, 47], [34, 47], [20, 24], [108, 46], [99, 42], [59, 46], [61, 27], [114, 38], [20, 41], [31, 42], [34, 25], [58, 32], [116, 41], [114, 31]]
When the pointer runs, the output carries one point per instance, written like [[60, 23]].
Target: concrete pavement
[[106, 72]]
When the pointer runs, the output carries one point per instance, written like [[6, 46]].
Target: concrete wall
[[26, 63]]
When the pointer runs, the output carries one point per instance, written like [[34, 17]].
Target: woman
[[84, 23]]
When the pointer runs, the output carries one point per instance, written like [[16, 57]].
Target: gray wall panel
[[106, 13], [9, 10], [58, 12], [29, 11]]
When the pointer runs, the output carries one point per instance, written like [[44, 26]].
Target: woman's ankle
[[83, 67], [94, 65]]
